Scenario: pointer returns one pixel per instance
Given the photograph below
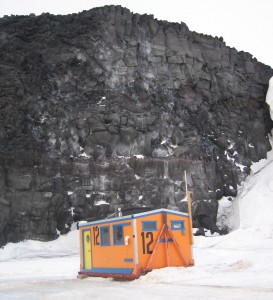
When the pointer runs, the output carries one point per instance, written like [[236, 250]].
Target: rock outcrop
[[107, 109]]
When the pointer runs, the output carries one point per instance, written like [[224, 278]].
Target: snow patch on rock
[[269, 97]]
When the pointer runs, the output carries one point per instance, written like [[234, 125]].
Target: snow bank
[[65, 245], [256, 203], [256, 196]]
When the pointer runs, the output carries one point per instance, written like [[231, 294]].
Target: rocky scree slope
[[107, 109]]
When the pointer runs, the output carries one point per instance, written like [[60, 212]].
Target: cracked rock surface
[[107, 109]]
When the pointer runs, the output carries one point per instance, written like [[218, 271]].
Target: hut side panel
[[162, 237], [110, 250], [107, 247]]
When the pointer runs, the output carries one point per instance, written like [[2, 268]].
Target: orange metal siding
[[147, 241], [113, 256], [146, 249]]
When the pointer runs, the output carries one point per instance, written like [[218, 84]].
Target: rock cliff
[[107, 109]]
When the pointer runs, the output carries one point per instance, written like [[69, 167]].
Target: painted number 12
[[147, 240]]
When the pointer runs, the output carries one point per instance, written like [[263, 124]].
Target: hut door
[[87, 249]]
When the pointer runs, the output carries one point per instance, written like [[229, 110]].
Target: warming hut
[[132, 245]]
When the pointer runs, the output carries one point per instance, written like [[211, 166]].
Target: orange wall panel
[[151, 245]]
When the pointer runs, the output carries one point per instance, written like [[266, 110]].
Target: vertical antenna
[[189, 208], [186, 183]]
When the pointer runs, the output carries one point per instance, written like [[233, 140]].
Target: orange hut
[[131, 245]]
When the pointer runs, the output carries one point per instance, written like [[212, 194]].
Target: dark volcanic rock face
[[107, 109]]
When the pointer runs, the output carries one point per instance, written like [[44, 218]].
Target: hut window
[[118, 235], [149, 225], [105, 236], [178, 225]]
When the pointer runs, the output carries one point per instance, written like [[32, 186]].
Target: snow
[[269, 97], [234, 266], [231, 145], [225, 217], [72, 211], [83, 154], [102, 98], [101, 202], [228, 157], [241, 167]]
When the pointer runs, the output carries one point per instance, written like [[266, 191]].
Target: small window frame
[[146, 228], [118, 242], [102, 242], [178, 222]]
